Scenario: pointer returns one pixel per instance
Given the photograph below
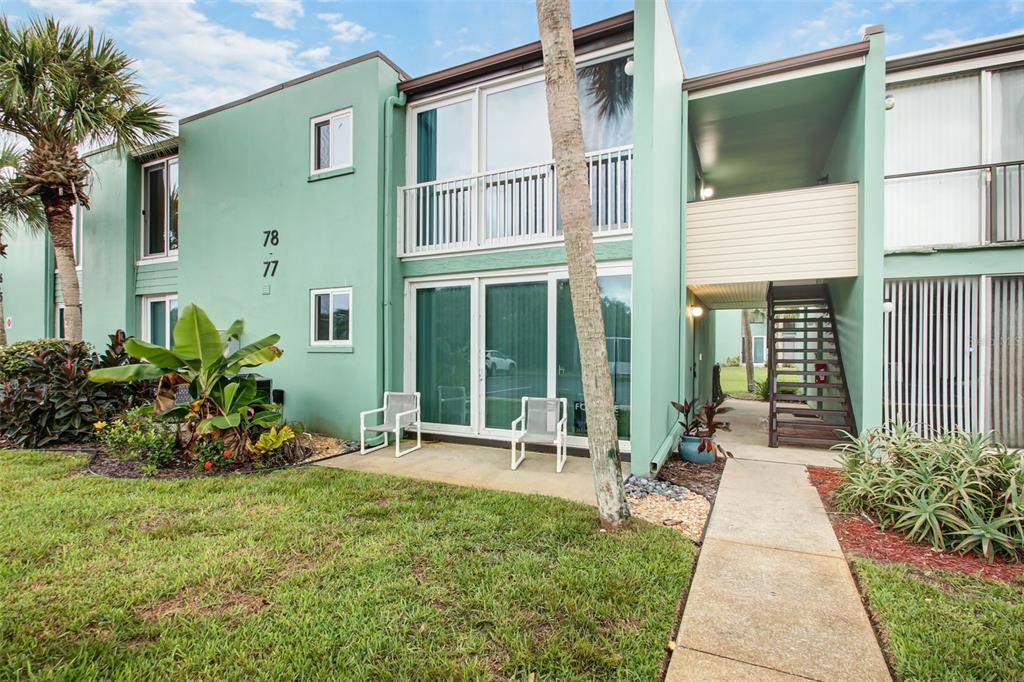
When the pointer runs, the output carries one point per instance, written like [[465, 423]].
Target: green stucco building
[[402, 234]]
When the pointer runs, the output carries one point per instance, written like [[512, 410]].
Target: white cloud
[[80, 12], [1016, 6], [280, 13], [320, 56], [344, 30], [942, 37], [837, 24], [199, 63]]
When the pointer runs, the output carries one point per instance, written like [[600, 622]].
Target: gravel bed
[[638, 486], [668, 504]]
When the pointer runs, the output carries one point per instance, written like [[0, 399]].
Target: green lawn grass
[[946, 626], [734, 380], [315, 573]]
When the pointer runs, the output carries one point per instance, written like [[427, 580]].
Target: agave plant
[[224, 404]]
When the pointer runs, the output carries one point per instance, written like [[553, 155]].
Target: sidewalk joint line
[[754, 665], [840, 557]]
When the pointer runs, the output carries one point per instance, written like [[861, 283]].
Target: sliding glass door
[[479, 345], [515, 348], [443, 354]]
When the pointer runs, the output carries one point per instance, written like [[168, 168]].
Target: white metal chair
[[401, 411], [541, 422]]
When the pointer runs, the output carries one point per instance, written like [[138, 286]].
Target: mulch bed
[[702, 479], [859, 536]]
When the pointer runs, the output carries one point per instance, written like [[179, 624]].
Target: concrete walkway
[[748, 438], [773, 598]]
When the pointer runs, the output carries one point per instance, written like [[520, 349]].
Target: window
[[331, 317], [331, 146], [77, 219], [159, 315], [160, 208], [58, 322]]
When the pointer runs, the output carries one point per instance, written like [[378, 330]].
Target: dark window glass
[[156, 212], [322, 134], [60, 323], [340, 317], [323, 317], [172, 191]]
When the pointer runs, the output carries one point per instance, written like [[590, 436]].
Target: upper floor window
[[504, 125], [160, 208], [954, 160], [331, 317], [331, 141]]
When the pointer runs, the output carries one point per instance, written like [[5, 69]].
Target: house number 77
[[269, 268]]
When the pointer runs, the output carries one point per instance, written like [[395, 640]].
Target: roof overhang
[[812, 63], [989, 47], [586, 38]]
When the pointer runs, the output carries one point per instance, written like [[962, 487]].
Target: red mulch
[[859, 536]]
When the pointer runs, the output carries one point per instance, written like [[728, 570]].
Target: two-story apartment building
[[403, 233]]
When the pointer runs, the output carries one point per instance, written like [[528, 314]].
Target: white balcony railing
[[510, 207]]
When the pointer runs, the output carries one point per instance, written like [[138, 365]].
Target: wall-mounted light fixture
[[890, 102], [696, 311], [888, 307], [629, 67], [707, 191]]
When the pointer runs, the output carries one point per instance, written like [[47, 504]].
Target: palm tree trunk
[[58, 214], [748, 348], [3, 320], [574, 204]]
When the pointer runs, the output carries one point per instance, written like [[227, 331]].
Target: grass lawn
[[734, 380], [946, 626], [316, 573]]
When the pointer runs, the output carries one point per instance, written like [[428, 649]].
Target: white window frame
[[58, 311], [332, 291], [168, 331], [168, 254], [478, 94], [347, 111], [78, 235]]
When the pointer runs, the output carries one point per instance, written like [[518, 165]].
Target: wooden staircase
[[804, 350]]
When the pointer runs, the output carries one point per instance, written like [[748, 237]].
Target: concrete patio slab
[[792, 612], [749, 438], [481, 467], [697, 666]]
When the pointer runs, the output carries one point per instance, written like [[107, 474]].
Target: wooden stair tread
[[804, 424], [790, 398], [806, 384], [810, 411]]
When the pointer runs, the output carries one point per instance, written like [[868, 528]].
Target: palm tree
[[748, 348], [574, 206], [16, 210], [61, 88]]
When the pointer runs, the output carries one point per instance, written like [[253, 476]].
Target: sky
[[196, 54]]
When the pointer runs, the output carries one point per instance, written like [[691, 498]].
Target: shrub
[[48, 400], [140, 436], [733, 361], [761, 390], [958, 490], [15, 357]]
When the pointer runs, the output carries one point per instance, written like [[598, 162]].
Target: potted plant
[[698, 443]]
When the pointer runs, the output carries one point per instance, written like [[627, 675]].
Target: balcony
[[735, 246], [508, 208], [970, 205]]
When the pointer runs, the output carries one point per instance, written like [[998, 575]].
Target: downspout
[[389, 232]]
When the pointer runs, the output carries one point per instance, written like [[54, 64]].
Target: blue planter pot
[[688, 450]]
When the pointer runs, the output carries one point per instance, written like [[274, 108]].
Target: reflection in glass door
[[515, 348], [616, 307], [443, 354]]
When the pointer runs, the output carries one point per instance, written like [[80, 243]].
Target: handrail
[[511, 169], [510, 207], [957, 169]]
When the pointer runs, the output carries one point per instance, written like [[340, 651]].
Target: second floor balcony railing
[[513, 207], [982, 204]]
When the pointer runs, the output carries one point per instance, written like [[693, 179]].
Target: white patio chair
[[401, 411], [541, 422]]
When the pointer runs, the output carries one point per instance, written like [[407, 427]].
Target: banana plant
[[199, 357]]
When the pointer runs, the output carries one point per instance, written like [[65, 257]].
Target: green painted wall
[[858, 154], [110, 230], [25, 286], [729, 333], [520, 258], [659, 172], [244, 170], [989, 260]]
